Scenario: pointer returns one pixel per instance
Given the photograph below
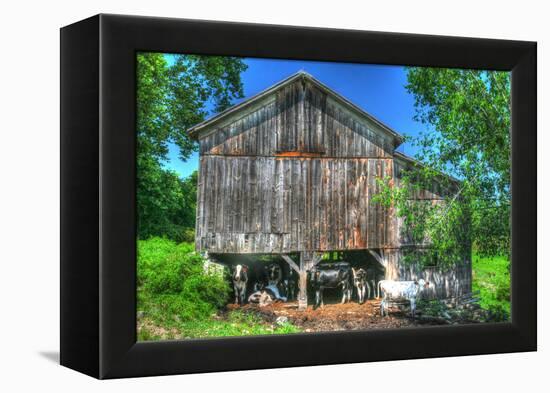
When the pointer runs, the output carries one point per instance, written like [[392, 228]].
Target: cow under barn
[[361, 284], [266, 296], [274, 275], [292, 171], [290, 284], [401, 290], [240, 281], [336, 275]]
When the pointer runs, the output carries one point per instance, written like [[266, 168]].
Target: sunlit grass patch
[[491, 277]]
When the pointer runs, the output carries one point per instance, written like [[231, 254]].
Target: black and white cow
[[332, 275], [401, 290], [291, 284], [240, 280], [360, 283], [274, 274], [266, 296]]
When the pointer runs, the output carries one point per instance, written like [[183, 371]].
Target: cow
[[291, 283], [267, 295], [331, 276], [401, 290], [240, 280], [373, 278], [274, 274], [361, 284]]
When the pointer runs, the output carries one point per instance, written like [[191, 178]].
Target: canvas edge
[[128, 360]]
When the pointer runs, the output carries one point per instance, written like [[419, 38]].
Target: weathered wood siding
[[444, 283], [298, 119], [294, 172], [274, 205]]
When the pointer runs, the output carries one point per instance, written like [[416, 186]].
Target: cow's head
[[359, 274], [273, 271], [240, 272]]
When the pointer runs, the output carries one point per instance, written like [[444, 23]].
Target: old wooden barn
[[292, 171]]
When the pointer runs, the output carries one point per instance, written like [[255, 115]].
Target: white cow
[[401, 290], [240, 280]]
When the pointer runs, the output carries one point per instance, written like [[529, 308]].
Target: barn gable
[[299, 116]]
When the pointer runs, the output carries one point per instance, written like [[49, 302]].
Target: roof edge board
[[402, 156]]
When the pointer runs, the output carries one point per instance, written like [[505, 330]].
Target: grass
[[491, 277], [177, 298], [233, 323]]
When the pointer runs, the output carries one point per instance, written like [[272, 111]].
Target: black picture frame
[[98, 206]]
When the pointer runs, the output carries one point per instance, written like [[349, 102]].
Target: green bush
[[172, 285]]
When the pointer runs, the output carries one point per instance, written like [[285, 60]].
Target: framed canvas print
[[231, 191]]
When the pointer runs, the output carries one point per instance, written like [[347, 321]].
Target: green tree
[[468, 117], [170, 99]]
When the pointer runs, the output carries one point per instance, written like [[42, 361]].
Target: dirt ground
[[333, 317]]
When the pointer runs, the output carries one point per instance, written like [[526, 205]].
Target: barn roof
[[213, 121]]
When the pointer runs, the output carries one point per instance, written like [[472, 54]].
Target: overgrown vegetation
[[177, 298], [443, 224], [491, 277], [172, 284]]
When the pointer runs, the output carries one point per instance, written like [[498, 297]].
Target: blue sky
[[378, 89]]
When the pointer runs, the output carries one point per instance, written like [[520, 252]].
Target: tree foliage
[[468, 136], [172, 97]]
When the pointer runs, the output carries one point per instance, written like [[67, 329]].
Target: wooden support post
[[307, 261], [302, 281]]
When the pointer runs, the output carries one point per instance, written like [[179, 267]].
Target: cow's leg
[[317, 299], [413, 307], [236, 291]]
